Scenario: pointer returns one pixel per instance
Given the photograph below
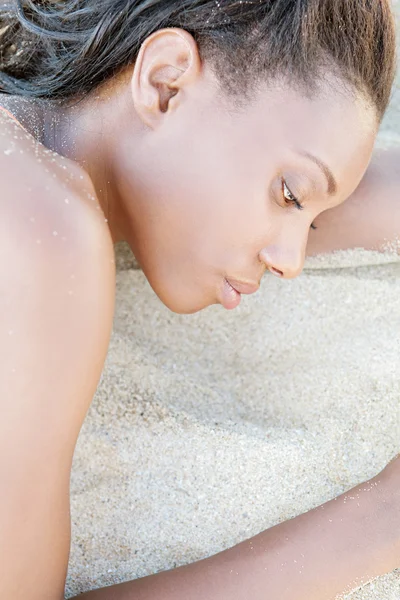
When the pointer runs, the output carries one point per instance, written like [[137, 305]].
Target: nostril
[[275, 272], [267, 259]]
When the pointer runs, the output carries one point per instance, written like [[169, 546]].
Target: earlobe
[[168, 61]]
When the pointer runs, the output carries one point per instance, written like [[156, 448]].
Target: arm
[[52, 347], [370, 218], [329, 550]]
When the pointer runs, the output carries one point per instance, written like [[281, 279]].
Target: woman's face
[[220, 195]]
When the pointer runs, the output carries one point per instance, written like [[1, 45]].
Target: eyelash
[[291, 199]]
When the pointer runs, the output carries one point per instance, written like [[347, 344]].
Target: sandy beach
[[207, 429]]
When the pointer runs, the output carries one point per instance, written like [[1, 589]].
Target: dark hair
[[64, 49]]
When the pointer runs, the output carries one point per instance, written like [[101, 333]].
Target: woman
[[210, 136]]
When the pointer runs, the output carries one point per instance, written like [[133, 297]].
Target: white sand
[[210, 428]]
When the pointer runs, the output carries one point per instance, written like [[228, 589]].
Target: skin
[[195, 183]]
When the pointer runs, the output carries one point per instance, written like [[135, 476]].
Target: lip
[[244, 287], [232, 290]]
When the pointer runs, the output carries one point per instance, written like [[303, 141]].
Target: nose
[[286, 262]]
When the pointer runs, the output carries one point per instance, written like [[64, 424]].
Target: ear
[[168, 61]]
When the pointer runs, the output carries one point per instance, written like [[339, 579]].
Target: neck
[[83, 132]]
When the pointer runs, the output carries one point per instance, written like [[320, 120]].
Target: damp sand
[[208, 429]]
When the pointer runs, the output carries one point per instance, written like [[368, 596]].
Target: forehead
[[282, 122], [334, 125]]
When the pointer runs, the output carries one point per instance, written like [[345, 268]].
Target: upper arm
[[56, 307], [370, 218]]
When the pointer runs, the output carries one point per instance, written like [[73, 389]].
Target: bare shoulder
[[48, 201], [57, 273]]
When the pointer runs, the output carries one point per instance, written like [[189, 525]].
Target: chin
[[183, 308], [181, 304], [180, 299]]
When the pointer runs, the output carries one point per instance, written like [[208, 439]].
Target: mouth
[[232, 291]]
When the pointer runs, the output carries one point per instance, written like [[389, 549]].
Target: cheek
[[198, 236], [208, 199]]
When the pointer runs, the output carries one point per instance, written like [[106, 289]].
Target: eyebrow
[[332, 185]]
